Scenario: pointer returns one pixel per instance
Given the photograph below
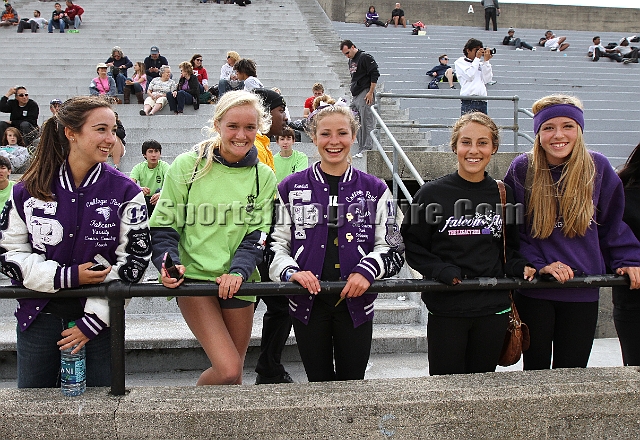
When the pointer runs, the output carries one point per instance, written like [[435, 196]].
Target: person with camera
[[474, 72]]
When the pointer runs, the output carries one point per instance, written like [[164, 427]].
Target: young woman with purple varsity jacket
[[69, 210], [338, 224]]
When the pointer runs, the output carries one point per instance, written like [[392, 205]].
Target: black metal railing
[[117, 292]]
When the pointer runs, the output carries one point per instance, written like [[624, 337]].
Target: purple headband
[[557, 110]]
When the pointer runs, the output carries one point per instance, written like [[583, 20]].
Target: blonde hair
[[312, 126], [186, 66], [320, 99], [235, 56], [141, 67], [572, 193], [478, 118], [228, 101]]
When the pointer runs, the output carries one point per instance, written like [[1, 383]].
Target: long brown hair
[[53, 148], [572, 195]]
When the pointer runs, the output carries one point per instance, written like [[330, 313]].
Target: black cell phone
[[97, 267], [172, 270]]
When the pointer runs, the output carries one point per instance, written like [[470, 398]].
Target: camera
[[491, 51]]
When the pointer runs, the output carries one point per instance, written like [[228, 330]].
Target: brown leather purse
[[516, 340]]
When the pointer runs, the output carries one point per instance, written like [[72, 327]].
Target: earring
[[73, 139]]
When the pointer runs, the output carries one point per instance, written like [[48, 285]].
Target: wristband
[[236, 274]]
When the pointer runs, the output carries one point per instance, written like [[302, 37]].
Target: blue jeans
[[469, 106], [39, 355], [224, 86], [120, 80], [58, 24], [177, 104], [77, 22]]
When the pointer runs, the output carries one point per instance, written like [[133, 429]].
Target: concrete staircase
[[297, 48]]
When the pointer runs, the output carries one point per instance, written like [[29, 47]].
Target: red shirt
[[201, 73]]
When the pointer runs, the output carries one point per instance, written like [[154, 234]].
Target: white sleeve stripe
[[368, 263], [95, 323], [89, 326], [367, 269]]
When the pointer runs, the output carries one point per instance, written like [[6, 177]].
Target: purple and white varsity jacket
[[369, 238], [42, 243]]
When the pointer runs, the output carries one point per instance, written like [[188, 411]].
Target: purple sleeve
[[619, 245]]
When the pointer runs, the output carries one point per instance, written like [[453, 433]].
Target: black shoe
[[282, 378]]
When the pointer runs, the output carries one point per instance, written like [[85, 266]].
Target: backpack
[[434, 83]]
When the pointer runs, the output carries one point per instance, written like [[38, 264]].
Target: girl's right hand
[[169, 282], [307, 280], [559, 270], [86, 276]]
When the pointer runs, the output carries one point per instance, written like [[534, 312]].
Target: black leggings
[[465, 345], [330, 333], [629, 336], [565, 329]]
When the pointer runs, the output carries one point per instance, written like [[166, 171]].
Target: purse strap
[[503, 202]]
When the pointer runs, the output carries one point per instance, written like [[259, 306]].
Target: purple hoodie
[[608, 244]]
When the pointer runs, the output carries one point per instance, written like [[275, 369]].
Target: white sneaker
[[358, 155], [519, 48], [533, 48]]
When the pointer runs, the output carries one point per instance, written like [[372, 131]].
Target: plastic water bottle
[[73, 368]]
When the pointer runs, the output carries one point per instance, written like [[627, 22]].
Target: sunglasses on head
[[22, 95]]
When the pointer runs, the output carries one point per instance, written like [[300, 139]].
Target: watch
[[289, 273]]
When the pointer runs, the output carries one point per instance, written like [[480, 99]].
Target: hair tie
[[558, 110]]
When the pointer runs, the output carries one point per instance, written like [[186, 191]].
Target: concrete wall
[[558, 404], [454, 13]]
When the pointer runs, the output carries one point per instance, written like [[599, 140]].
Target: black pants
[[276, 326], [22, 25], [629, 336], [465, 345], [330, 334], [565, 329], [491, 14]]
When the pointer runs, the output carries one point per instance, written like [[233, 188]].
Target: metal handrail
[[398, 153], [118, 291]]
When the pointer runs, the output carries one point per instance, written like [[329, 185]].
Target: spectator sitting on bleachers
[[13, 149], [318, 90], [74, 14], [246, 71], [137, 84], [397, 16], [9, 16], [629, 53], [443, 70], [372, 17], [153, 63], [552, 42], [23, 113], [103, 84], [200, 72], [34, 24], [54, 106], [510, 40], [57, 19], [597, 50], [228, 77], [187, 91], [157, 92], [118, 64]]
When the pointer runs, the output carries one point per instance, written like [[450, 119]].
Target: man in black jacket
[[364, 77], [153, 63], [24, 113]]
